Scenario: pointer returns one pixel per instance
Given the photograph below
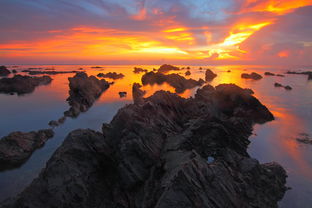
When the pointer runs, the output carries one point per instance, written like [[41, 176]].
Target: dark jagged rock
[[253, 75], [309, 73], [138, 70], [277, 84], [280, 75], [137, 93], [22, 84], [187, 73], [288, 87], [122, 94], [83, 92], [17, 147], [166, 68], [14, 71], [280, 85], [58, 122], [157, 153], [111, 75], [4, 71], [269, 74], [209, 75], [178, 82]]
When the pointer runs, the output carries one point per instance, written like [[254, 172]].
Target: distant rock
[[309, 73], [17, 147], [209, 75], [178, 82], [138, 70], [96, 67], [166, 68], [165, 151], [187, 73], [58, 122], [278, 84], [269, 74], [83, 92], [228, 71], [280, 75], [48, 72], [304, 138], [122, 94], [14, 71], [22, 84], [4, 71], [111, 75], [253, 75], [288, 87]]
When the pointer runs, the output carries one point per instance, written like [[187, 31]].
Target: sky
[[156, 31]]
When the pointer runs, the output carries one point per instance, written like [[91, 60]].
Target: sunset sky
[[156, 31]]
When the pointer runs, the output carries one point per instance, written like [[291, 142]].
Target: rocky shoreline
[[163, 151]]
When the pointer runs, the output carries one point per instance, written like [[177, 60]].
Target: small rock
[[122, 94], [4, 71]]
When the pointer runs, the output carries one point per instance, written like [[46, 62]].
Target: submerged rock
[[111, 75], [17, 147], [178, 82], [83, 92], [166, 68], [253, 75], [22, 84], [209, 75], [4, 71], [154, 154], [138, 70]]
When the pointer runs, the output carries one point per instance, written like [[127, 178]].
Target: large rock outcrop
[[83, 91], [178, 82], [22, 84], [17, 147], [4, 71], [165, 151], [166, 68], [210, 75]]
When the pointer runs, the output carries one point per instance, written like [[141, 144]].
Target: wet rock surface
[[4, 71], [164, 151], [253, 75], [22, 84], [178, 82], [83, 92], [111, 75], [209, 75], [165, 68], [17, 147]]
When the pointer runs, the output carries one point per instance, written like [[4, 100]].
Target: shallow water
[[273, 141]]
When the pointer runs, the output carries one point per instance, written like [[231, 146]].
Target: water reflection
[[274, 141]]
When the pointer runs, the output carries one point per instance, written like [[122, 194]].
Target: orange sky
[[149, 33]]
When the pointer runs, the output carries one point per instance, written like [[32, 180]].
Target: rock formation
[[17, 147], [49, 72], [111, 75], [138, 70], [22, 84], [164, 151], [209, 75], [165, 68], [83, 92], [269, 74], [4, 71], [309, 73], [276, 84], [137, 93], [253, 75], [178, 82], [187, 73]]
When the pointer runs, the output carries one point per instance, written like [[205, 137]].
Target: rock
[[310, 76], [309, 73], [122, 94], [249, 91], [137, 93], [83, 92], [280, 75], [4, 71], [228, 70], [269, 74], [187, 73], [111, 75], [209, 75], [17, 147], [14, 71], [138, 70], [288, 87], [96, 67], [166, 68], [178, 82], [277, 84], [53, 123], [253, 75], [48, 72], [188, 68], [304, 138], [154, 154], [22, 84]]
